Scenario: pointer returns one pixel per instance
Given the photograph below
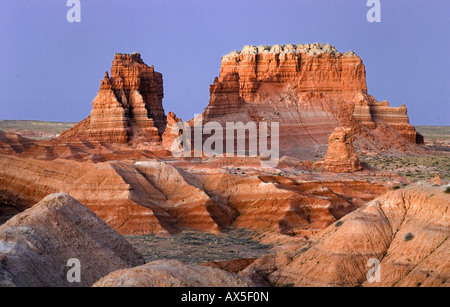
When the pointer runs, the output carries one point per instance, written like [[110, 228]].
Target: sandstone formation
[[370, 112], [232, 266], [187, 199], [257, 74], [341, 156], [128, 106], [118, 201], [437, 179], [117, 168], [290, 206], [35, 246], [172, 274], [158, 197], [406, 230], [127, 120], [168, 137], [12, 143], [310, 89]]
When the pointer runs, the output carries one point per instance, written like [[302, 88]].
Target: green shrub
[[304, 249], [409, 236], [447, 190]]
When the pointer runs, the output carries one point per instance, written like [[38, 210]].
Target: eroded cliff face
[[407, 231], [128, 107], [310, 89], [164, 198], [257, 74], [12, 143]]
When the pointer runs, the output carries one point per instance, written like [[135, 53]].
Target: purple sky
[[51, 69]]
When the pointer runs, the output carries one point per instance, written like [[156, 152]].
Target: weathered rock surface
[[232, 266], [128, 107], [172, 274], [341, 156], [406, 230], [187, 200], [437, 179], [168, 137], [36, 245], [157, 197], [12, 143], [310, 89], [287, 205], [116, 192]]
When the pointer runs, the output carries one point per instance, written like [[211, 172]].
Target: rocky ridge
[[406, 230], [172, 274], [160, 197], [36, 245], [128, 107], [310, 89]]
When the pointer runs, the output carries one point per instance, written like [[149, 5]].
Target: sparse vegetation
[[417, 168], [409, 236], [447, 190], [304, 249], [338, 224], [198, 247], [413, 168]]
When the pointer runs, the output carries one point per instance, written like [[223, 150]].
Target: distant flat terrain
[[436, 137], [35, 129], [35, 125], [45, 130], [434, 132]]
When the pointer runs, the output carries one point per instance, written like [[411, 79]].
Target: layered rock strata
[[406, 231], [310, 89], [12, 143], [128, 106], [36, 246], [172, 274], [157, 197], [341, 156]]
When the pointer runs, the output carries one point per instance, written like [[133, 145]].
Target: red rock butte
[[128, 106], [341, 156], [310, 89]]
